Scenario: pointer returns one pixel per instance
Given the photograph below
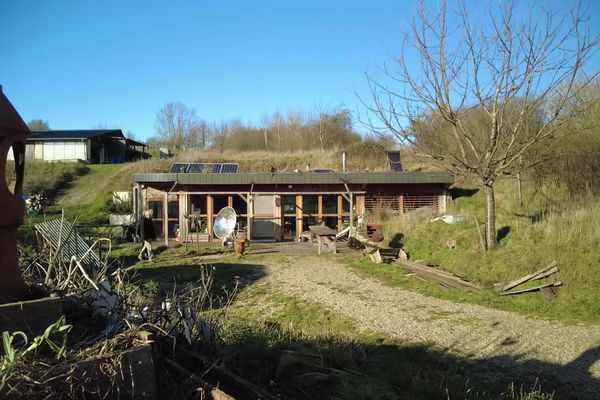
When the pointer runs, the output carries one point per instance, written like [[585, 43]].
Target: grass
[[550, 227], [262, 322], [46, 177]]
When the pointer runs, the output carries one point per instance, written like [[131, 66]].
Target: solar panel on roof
[[229, 169], [216, 168], [195, 168], [179, 168]]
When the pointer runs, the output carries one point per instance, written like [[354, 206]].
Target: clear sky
[[82, 64]]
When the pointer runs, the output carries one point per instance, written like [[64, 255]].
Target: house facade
[[280, 206]]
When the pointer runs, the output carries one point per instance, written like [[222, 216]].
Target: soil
[[567, 357]]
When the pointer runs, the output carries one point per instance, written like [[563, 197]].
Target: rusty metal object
[[13, 134]]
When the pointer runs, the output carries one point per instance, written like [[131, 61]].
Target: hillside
[[550, 226]]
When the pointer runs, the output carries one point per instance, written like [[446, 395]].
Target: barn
[[93, 146], [278, 206]]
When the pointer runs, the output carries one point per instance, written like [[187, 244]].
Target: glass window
[[219, 202], [173, 208], [331, 222], [346, 205], [157, 208], [309, 221], [158, 228], [329, 204], [239, 205], [289, 205], [310, 204], [198, 203]]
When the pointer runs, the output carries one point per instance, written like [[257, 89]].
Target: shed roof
[[76, 134], [297, 178]]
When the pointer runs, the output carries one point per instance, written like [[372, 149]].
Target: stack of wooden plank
[[539, 274], [442, 278]]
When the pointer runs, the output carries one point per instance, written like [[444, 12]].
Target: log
[[551, 267], [532, 289]]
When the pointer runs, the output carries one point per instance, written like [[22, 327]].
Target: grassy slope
[[549, 227]]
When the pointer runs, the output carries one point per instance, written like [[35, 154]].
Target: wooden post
[[250, 213], [351, 214], [183, 210], [340, 211], [166, 218], [298, 216], [278, 217], [401, 204], [320, 209], [209, 216]]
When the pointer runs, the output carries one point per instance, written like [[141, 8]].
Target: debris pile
[[548, 289]]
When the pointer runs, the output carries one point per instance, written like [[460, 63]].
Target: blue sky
[[83, 64]]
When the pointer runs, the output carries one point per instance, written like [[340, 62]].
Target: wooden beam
[[245, 198], [299, 215], [210, 216], [531, 289], [340, 211], [539, 274], [166, 218]]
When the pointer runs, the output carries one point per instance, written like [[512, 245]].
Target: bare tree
[[505, 64], [176, 125]]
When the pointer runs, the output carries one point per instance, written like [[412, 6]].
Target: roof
[[10, 118], [132, 142], [76, 134], [297, 178]]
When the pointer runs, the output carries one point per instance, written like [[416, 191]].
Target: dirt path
[[568, 355]]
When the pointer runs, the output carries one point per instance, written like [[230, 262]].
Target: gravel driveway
[[567, 357]]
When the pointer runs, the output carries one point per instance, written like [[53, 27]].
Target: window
[[310, 205]]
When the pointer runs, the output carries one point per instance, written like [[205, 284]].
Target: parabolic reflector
[[225, 222]]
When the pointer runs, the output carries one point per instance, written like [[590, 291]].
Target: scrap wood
[[241, 386], [206, 389], [539, 274], [443, 278], [547, 285]]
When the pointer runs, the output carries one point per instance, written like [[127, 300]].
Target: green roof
[[306, 178]]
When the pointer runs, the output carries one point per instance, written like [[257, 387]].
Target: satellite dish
[[225, 222]]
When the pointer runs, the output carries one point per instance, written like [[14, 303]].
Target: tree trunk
[[490, 217]]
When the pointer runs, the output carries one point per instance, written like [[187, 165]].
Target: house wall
[[55, 151], [277, 214]]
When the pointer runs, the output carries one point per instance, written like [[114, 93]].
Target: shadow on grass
[[225, 274], [462, 192], [502, 233], [379, 368]]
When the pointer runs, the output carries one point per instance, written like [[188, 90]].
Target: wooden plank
[[531, 276], [443, 278], [531, 289], [31, 317]]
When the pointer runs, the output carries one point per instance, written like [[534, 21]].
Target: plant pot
[[239, 247]]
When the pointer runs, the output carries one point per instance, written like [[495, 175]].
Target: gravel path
[[568, 356]]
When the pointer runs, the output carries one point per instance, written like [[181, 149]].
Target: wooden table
[[321, 233]]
